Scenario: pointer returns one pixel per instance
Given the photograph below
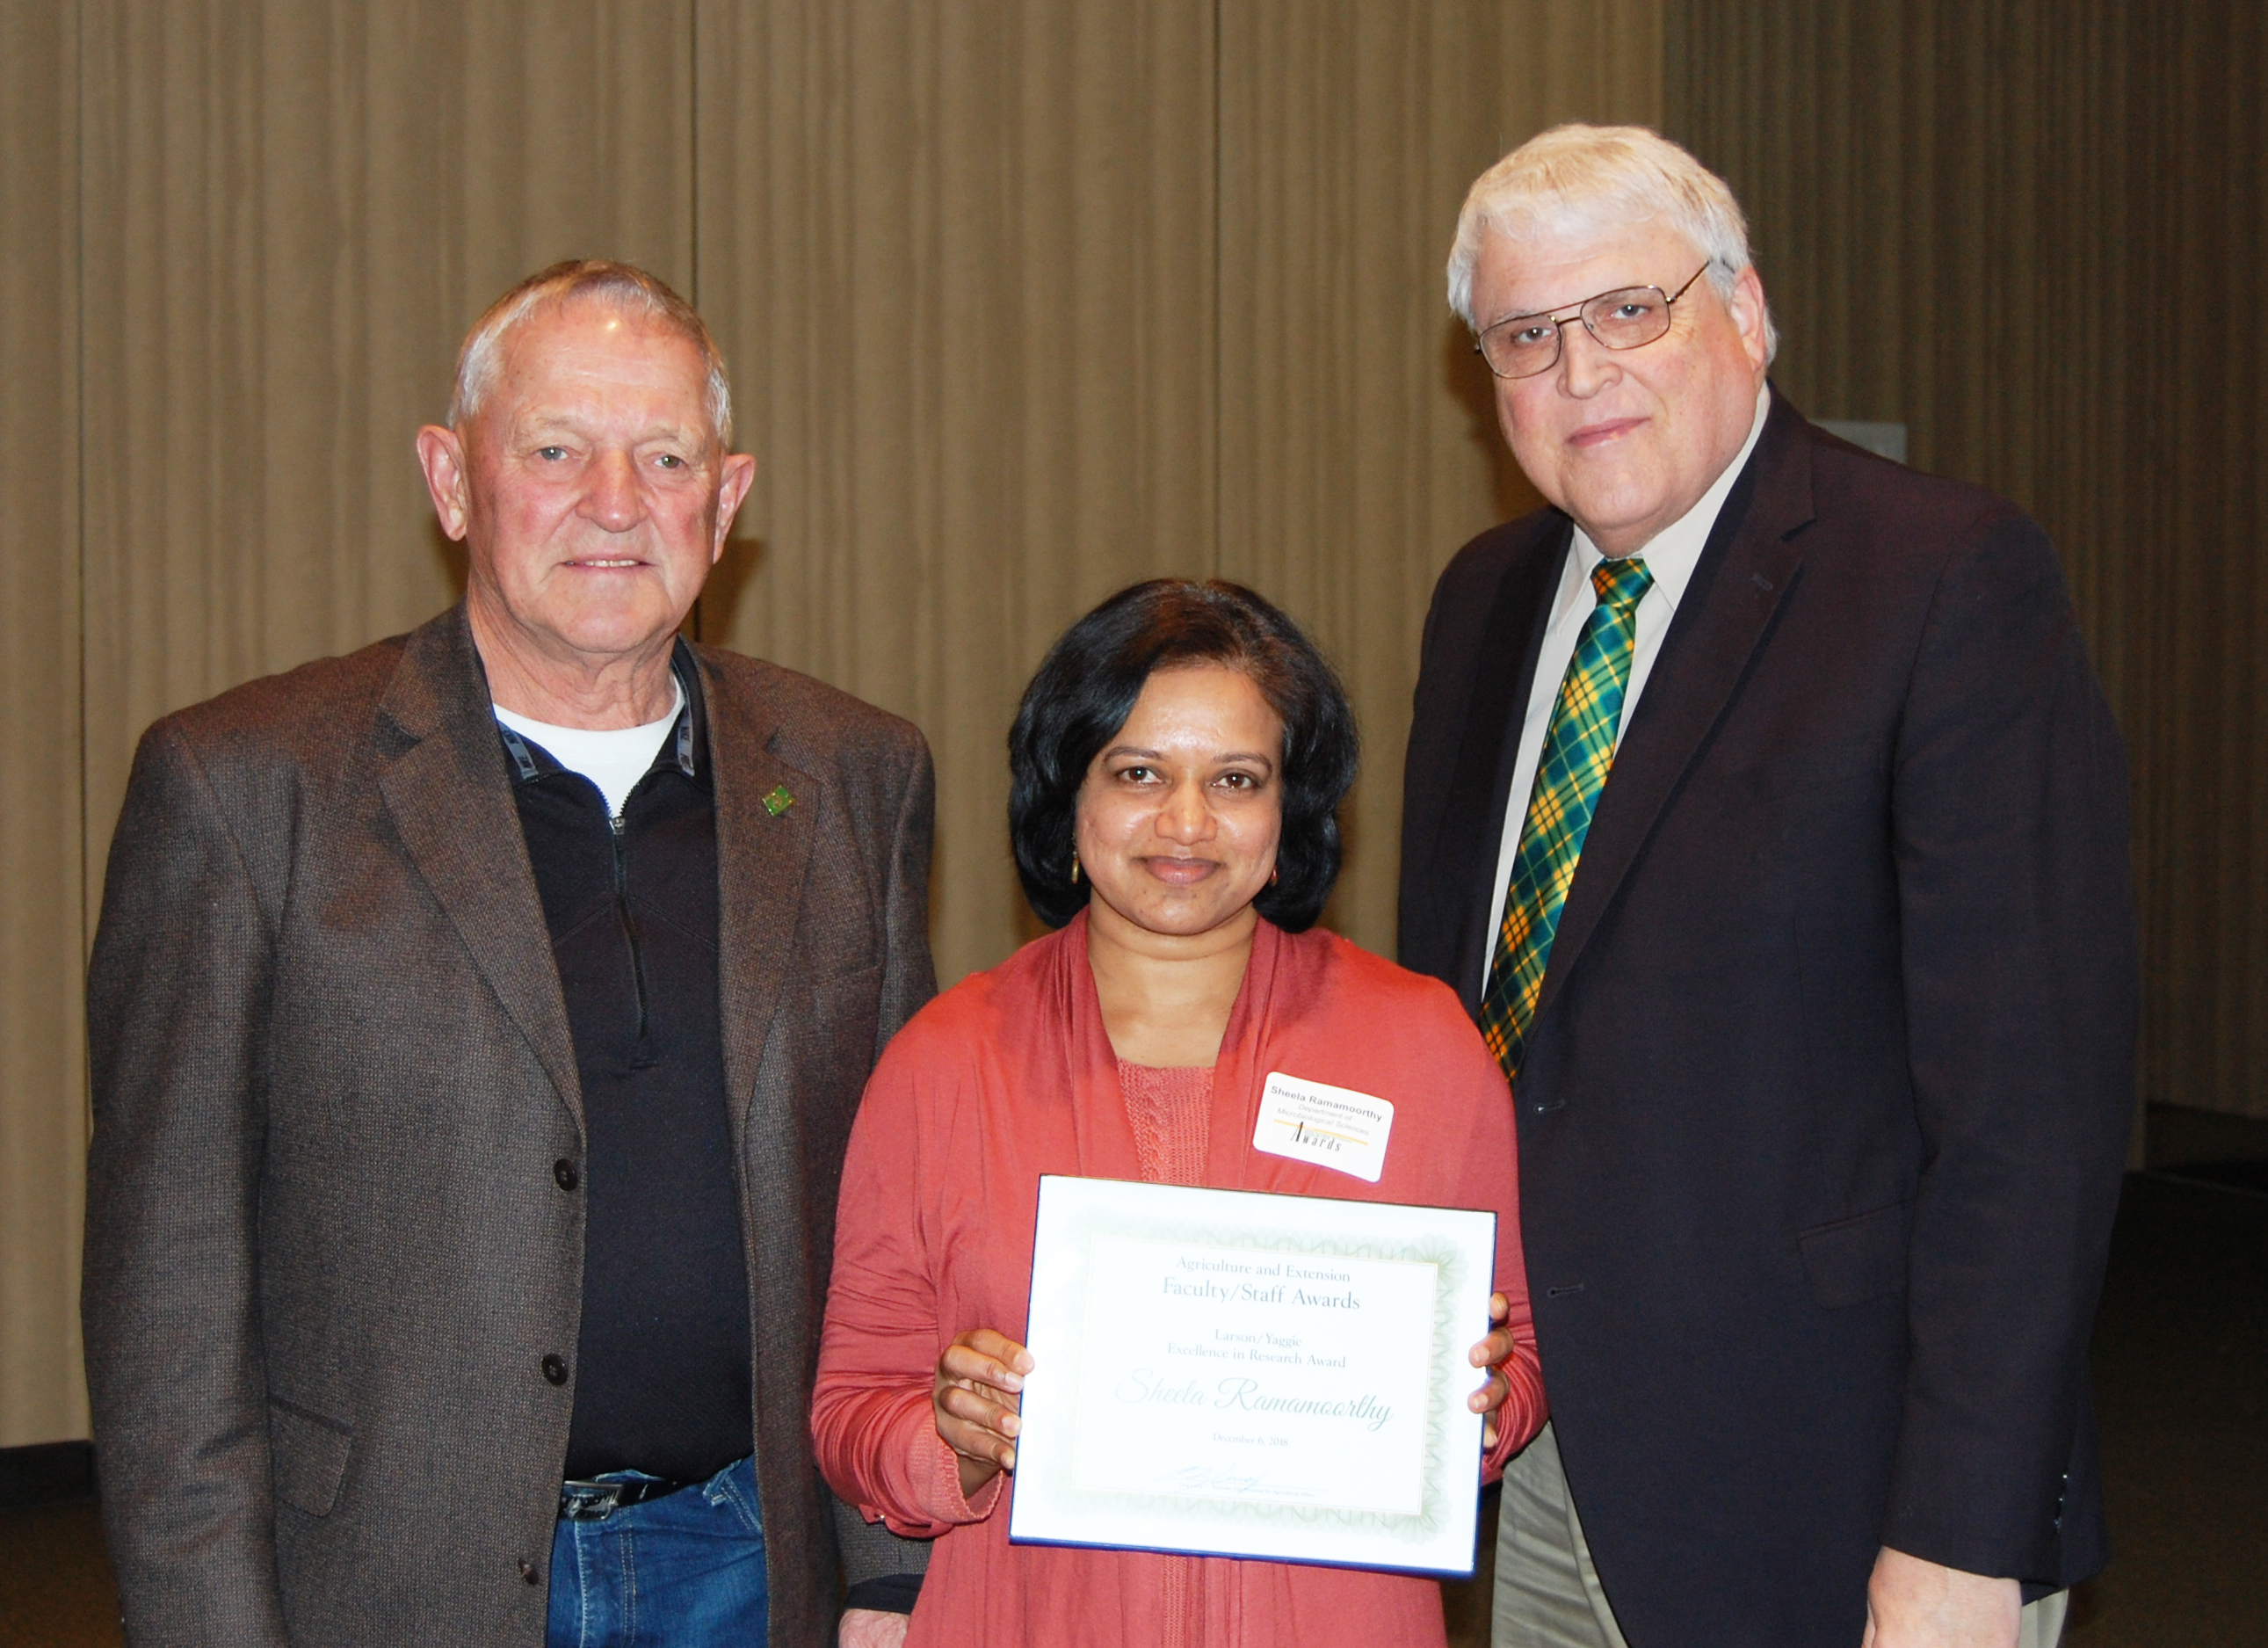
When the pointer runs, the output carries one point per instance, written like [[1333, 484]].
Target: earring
[[1074, 869], [1275, 875]]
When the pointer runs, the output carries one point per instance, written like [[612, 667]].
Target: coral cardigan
[[1010, 1075]]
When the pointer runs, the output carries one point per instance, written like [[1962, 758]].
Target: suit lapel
[[1743, 576], [1472, 828], [762, 857], [451, 804]]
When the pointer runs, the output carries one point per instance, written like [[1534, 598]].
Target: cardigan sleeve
[[870, 1420], [1489, 1176]]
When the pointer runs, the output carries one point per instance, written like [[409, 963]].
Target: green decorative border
[[1448, 1258]]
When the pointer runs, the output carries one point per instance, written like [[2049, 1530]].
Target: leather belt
[[595, 1502]]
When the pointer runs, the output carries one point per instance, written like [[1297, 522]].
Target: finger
[[992, 1343], [969, 1406], [1008, 1401], [1497, 1347], [973, 1442], [1499, 1307], [947, 1380], [1491, 1396], [972, 1366], [981, 1446], [966, 1362]]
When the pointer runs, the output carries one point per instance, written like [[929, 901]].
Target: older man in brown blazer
[[476, 1024]]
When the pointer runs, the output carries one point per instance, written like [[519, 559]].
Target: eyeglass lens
[[1530, 343]]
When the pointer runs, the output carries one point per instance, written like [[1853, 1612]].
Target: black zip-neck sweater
[[661, 1373]]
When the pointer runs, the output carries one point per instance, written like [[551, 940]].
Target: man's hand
[[1911, 1603], [871, 1628], [1492, 1353]]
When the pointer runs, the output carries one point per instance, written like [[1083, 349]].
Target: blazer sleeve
[[177, 1000], [872, 1550], [2009, 822]]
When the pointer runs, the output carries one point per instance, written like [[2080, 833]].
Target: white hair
[[1577, 180], [623, 288]]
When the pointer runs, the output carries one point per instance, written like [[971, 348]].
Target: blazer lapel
[[1743, 576], [451, 804], [1472, 830], [762, 857]]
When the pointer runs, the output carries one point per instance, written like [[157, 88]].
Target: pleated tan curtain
[[290, 213], [1097, 293], [1027, 298], [42, 837], [2033, 235], [961, 256], [1024, 300]]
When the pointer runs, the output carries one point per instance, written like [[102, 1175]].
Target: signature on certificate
[[1205, 1478]]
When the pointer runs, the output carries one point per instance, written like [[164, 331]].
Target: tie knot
[[1621, 584]]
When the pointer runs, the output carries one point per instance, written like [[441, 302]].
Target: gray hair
[[624, 288], [1580, 180]]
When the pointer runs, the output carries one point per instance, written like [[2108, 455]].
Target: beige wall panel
[[2007, 225], [960, 256], [42, 1103], [1359, 447], [291, 213]]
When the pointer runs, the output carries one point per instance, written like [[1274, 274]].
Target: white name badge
[[1331, 1126]]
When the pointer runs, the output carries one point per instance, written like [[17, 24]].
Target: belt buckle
[[590, 1502]]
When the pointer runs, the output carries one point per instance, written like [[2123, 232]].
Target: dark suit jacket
[[326, 1251], [1825, 1102]]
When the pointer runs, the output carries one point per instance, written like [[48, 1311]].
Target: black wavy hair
[[1086, 689]]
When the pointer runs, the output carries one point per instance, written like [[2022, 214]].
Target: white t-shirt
[[1670, 555], [615, 761]]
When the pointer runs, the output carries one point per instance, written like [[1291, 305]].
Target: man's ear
[[448, 477], [732, 488], [1745, 303]]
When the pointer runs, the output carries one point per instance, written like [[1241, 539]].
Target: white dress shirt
[[1670, 555]]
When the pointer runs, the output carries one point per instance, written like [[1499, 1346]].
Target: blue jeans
[[686, 1568]]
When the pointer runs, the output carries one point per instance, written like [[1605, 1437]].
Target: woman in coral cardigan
[[1178, 762]]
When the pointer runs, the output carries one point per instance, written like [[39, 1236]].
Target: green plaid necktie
[[1579, 746]]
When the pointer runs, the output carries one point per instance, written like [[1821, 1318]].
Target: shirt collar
[[1672, 553], [686, 747]]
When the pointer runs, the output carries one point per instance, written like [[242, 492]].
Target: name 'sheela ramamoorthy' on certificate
[[1246, 1375]]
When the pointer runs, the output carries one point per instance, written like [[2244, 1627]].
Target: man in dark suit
[[1762, 803], [476, 1026]]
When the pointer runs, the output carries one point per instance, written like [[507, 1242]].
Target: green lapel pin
[[778, 801]]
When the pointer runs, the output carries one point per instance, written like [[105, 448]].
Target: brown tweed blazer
[[326, 1253]]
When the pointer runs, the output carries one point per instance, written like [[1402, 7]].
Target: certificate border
[[1439, 1513]]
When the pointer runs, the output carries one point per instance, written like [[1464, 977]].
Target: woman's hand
[[975, 1398], [1492, 1353]]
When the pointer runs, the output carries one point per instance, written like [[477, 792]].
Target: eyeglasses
[[1629, 317]]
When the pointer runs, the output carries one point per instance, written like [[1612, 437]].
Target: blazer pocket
[[1853, 1260], [309, 1455]]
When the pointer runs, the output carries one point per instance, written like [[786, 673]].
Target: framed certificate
[[1227, 1373]]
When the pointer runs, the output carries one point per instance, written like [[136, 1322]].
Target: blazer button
[[563, 1171], [555, 1369], [527, 1571]]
